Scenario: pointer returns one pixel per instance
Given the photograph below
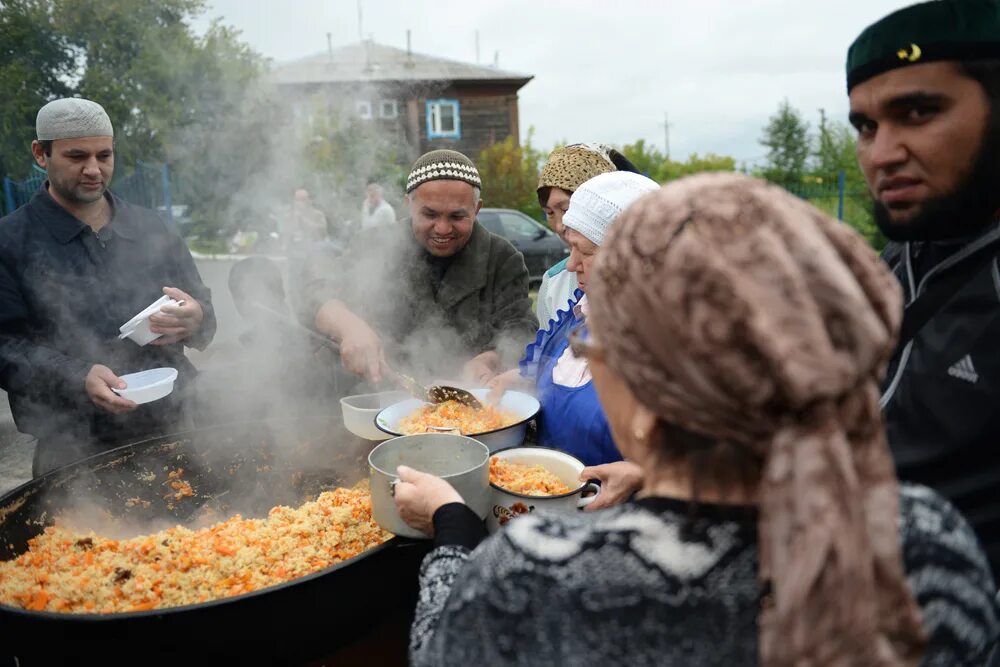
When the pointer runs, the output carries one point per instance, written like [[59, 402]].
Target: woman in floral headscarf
[[737, 339]]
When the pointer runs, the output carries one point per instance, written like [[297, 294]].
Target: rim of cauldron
[[395, 541]]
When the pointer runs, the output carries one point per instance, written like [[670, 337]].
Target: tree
[[35, 67], [510, 175], [787, 140], [172, 95], [835, 153], [658, 167]]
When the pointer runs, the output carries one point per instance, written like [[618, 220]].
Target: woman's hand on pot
[[501, 383], [419, 495], [619, 481]]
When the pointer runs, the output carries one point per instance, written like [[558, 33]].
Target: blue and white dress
[[571, 418]]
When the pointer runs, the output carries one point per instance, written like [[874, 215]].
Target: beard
[[967, 210], [76, 194]]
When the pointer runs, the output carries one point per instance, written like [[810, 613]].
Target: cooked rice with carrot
[[69, 572], [529, 480], [452, 414]]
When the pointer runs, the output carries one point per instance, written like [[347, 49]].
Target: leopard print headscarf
[[739, 312]]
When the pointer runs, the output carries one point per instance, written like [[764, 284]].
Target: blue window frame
[[443, 119]]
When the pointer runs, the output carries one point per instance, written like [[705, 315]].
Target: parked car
[[540, 246]]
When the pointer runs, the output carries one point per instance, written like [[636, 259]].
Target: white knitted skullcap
[[72, 118], [595, 204]]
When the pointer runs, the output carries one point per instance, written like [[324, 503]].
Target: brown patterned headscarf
[[740, 313], [569, 167]]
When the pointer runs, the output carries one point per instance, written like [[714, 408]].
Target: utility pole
[[477, 47], [361, 32], [666, 135]]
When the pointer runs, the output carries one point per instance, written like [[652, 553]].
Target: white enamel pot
[[523, 406], [508, 505]]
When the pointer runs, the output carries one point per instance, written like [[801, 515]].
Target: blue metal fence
[[148, 185]]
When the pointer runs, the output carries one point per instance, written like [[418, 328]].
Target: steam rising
[[275, 372]]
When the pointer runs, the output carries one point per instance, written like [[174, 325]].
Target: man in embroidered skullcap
[[924, 86], [76, 263], [438, 296]]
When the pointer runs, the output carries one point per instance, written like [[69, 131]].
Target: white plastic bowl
[[524, 406], [359, 412], [147, 386], [137, 329]]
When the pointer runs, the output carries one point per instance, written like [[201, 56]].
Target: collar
[[467, 272], [65, 227]]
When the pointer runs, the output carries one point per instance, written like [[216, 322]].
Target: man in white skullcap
[[438, 296], [76, 263]]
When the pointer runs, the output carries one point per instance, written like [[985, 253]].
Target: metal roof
[[367, 61]]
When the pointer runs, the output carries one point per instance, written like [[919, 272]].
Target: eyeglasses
[[583, 347]]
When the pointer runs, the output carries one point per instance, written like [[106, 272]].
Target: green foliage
[[786, 138], [172, 95], [510, 175], [653, 163], [35, 66]]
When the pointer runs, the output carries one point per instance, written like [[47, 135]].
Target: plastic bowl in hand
[[147, 386]]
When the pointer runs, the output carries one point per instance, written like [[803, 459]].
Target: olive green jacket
[[385, 277]]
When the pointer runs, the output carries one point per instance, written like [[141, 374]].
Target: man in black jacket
[[924, 86], [76, 263]]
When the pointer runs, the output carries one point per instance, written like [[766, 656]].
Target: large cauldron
[[246, 468]]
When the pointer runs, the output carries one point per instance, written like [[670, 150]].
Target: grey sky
[[607, 70]]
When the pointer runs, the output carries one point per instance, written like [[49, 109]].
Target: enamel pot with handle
[[460, 460], [507, 505]]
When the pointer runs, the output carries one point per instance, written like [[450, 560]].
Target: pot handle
[[595, 487]]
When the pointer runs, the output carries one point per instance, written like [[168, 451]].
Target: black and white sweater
[[640, 584]]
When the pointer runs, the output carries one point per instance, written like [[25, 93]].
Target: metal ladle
[[436, 393]]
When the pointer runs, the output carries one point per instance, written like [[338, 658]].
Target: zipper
[[916, 290], [905, 356]]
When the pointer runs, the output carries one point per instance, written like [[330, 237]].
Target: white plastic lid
[[150, 310]]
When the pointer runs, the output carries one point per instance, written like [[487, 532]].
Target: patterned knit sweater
[[642, 584]]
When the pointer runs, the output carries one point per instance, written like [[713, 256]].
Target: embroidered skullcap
[[72, 118], [443, 165]]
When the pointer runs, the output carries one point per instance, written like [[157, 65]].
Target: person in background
[[924, 88], [77, 262], [438, 295], [571, 418], [565, 170], [304, 225], [375, 210], [737, 336]]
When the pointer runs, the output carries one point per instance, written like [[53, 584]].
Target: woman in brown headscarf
[[737, 338]]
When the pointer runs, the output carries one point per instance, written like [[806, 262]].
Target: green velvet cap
[[927, 32]]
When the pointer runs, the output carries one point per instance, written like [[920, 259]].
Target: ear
[[645, 427], [38, 153], [479, 206]]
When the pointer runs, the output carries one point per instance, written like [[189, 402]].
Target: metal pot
[[508, 505], [460, 460], [523, 406]]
